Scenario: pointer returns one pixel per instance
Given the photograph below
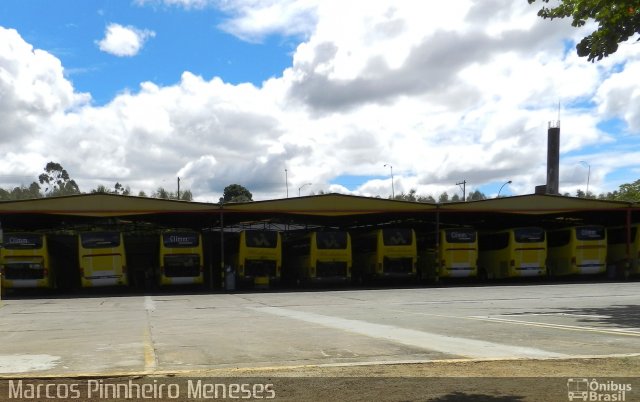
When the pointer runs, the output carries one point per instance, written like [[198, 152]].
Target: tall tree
[[476, 195], [236, 193], [57, 181], [618, 20], [629, 191]]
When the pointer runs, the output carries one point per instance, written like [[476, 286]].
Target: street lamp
[[301, 187], [583, 163], [393, 195], [286, 181], [509, 182]]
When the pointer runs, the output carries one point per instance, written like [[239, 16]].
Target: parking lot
[[174, 333]]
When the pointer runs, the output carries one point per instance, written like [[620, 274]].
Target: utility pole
[[178, 188], [393, 193], [464, 189]]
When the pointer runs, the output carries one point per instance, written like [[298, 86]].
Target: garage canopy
[[325, 209], [535, 204]]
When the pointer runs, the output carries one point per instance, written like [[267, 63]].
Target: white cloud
[[444, 93], [124, 41], [33, 94], [252, 20], [619, 96]]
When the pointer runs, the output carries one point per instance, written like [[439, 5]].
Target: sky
[[295, 97]]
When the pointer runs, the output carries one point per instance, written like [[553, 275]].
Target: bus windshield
[[529, 235], [331, 240], [100, 239], [180, 239], [22, 241], [262, 239], [397, 237], [590, 233], [460, 235]]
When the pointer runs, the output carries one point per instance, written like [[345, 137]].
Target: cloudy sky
[[277, 94]]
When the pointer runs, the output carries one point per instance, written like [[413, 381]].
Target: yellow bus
[[258, 261], [25, 261], [385, 253], [102, 259], [617, 250], [512, 253], [456, 255], [181, 258], [577, 250], [320, 256]]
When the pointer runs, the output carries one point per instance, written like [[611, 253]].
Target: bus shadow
[[627, 316]]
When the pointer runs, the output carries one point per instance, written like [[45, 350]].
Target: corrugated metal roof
[[326, 205], [102, 205], [535, 204], [330, 205]]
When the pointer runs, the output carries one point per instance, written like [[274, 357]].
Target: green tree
[[120, 189], [618, 20], [117, 189], [21, 193], [57, 181], [236, 193], [101, 189], [161, 193], [186, 195], [629, 192], [476, 195], [444, 197], [411, 196], [168, 195]]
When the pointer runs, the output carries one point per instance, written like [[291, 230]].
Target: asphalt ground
[[403, 332]]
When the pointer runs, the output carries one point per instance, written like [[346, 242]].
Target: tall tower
[[553, 157]]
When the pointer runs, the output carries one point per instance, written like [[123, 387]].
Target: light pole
[[393, 194], [583, 163], [301, 187], [509, 182], [286, 181]]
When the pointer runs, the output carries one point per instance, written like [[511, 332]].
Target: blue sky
[[70, 29], [214, 92]]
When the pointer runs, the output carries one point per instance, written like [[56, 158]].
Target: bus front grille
[[181, 272], [22, 271]]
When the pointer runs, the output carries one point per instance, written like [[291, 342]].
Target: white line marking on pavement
[[149, 304], [411, 337], [150, 358], [610, 331], [24, 363]]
